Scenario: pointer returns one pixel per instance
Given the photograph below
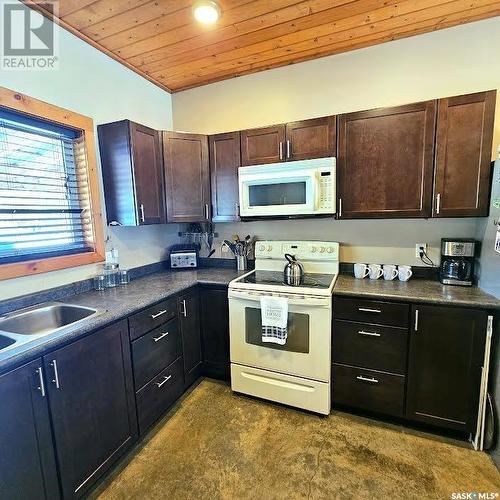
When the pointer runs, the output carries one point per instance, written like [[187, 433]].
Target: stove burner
[[276, 278]]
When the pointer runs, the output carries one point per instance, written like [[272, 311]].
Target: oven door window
[[282, 193], [298, 331]]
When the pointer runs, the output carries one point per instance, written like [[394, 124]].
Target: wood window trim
[[39, 109]]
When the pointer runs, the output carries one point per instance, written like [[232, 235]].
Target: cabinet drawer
[[152, 317], [368, 389], [154, 351], [154, 399], [371, 311], [370, 346]]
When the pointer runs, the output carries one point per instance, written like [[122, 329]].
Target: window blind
[[44, 190]]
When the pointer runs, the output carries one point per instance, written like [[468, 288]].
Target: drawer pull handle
[[369, 334], [368, 310], [162, 336], [165, 380], [366, 379], [158, 314]]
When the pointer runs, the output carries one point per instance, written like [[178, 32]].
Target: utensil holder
[[241, 262]]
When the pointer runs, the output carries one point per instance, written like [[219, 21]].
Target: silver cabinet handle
[[237, 207], [340, 207], [369, 334], [184, 308], [281, 150], [207, 212], [165, 380], [41, 387], [366, 379], [368, 310], [288, 150], [438, 202], [55, 380], [141, 208], [416, 320], [162, 336], [158, 314]]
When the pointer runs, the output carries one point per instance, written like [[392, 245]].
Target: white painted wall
[[448, 62], [95, 85]]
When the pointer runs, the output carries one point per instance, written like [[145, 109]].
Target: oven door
[[307, 352], [278, 193]]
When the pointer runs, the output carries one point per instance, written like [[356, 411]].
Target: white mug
[[390, 272], [375, 271], [404, 273], [360, 270]]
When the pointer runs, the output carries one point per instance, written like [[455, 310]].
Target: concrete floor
[[219, 445]]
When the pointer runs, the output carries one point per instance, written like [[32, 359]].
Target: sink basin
[[43, 319], [6, 342]]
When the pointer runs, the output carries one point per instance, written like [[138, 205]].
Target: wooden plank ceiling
[[160, 40]]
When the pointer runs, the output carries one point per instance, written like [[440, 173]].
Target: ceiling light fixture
[[206, 11]]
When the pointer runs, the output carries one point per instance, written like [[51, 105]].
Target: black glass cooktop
[[276, 278]]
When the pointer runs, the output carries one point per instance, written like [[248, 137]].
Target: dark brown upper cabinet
[[385, 162], [187, 177], [225, 159], [132, 173], [463, 155], [262, 145], [302, 140], [315, 138]]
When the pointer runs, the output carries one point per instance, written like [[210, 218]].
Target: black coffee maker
[[457, 261]]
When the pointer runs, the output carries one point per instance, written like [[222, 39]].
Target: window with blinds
[[44, 190]]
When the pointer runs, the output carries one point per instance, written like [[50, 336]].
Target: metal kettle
[[293, 272]]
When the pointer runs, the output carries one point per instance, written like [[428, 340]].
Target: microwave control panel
[[326, 190]]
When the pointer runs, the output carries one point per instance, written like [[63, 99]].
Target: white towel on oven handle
[[274, 318]]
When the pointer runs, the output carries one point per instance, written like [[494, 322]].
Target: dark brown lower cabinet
[[444, 366], [189, 322], [27, 463], [92, 404], [215, 332]]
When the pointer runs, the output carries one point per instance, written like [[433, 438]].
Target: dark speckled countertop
[[118, 303], [115, 304], [416, 290]]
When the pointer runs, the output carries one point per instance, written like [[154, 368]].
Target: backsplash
[[382, 241]]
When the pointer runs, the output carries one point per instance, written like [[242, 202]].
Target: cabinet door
[[444, 366], [27, 463], [215, 332], [463, 155], [148, 174], [225, 160], [92, 405], [309, 139], [385, 161], [189, 314], [187, 178], [263, 145]]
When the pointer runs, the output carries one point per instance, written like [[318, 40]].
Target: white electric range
[[297, 373]]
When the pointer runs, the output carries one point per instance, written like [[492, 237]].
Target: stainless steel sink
[[41, 320]]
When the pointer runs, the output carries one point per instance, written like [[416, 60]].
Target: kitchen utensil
[[390, 272], [294, 271], [360, 271], [404, 273], [375, 271]]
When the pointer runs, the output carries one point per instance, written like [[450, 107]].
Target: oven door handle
[[300, 300]]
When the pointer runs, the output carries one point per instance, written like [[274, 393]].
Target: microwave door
[[278, 196]]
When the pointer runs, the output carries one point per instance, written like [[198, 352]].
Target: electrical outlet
[[418, 248]]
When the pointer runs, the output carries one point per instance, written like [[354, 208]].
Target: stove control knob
[[262, 248], [322, 250], [269, 248], [329, 249], [314, 249]]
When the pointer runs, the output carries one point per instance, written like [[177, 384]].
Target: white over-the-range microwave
[[294, 188]]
